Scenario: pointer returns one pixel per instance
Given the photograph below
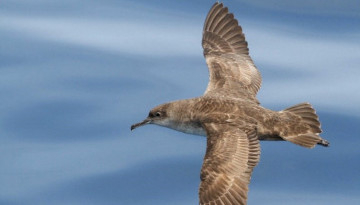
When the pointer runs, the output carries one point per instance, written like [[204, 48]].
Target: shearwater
[[230, 115]]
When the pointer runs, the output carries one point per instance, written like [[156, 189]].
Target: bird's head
[[159, 115]]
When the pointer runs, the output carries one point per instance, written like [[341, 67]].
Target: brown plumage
[[230, 115]]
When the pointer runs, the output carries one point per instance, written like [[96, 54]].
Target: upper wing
[[232, 72], [231, 155]]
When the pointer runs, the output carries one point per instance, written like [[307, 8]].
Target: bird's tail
[[309, 135]]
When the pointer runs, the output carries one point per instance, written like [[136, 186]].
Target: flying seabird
[[230, 115]]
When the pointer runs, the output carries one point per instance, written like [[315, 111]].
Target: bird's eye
[[157, 114]]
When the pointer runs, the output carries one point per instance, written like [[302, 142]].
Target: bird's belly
[[191, 128]]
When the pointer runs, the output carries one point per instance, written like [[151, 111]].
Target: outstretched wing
[[232, 72], [231, 155]]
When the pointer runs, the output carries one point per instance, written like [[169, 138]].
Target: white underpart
[[186, 127]]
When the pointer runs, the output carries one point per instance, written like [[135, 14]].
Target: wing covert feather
[[232, 72], [230, 157]]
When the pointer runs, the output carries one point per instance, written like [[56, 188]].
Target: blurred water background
[[75, 74]]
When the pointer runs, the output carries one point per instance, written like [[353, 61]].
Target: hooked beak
[[146, 121]]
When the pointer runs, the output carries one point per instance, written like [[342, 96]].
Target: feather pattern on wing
[[232, 72], [231, 155]]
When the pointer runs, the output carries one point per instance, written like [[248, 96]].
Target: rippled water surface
[[74, 75]]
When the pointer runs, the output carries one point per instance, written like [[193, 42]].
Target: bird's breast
[[189, 127]]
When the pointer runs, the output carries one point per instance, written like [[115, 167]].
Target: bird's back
[[298, 124]]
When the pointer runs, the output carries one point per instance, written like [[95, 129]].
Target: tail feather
[[311, 121], [302, 107], [306, 140], [308, 115], [309, 137]]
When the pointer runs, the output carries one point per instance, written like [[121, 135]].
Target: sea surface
[[74, 76]]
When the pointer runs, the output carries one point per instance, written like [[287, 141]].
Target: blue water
[[74, 75]]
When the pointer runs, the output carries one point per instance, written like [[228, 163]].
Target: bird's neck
[[181, 118]]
